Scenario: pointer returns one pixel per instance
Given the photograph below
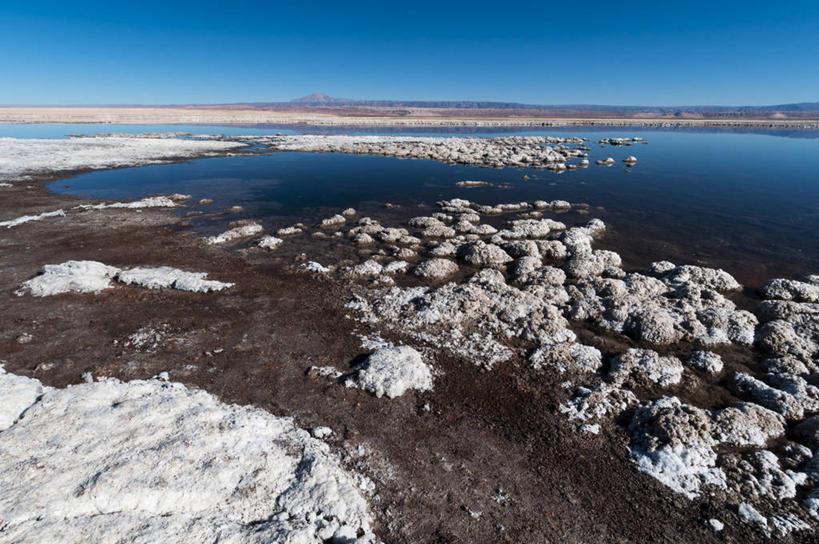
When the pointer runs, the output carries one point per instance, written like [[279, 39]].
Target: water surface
[[745, 201]]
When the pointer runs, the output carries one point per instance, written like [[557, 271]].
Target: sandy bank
[[416, 118]]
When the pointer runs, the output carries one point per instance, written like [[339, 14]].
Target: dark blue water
[[746, 201]]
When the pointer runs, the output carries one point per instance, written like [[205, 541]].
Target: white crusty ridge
[[28, 218], [152, 461], [21, 157], [94, 277], [522, 151]]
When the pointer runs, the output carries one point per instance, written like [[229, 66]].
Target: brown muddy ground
[[490, 460]]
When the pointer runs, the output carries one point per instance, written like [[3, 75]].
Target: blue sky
[[630, 53]]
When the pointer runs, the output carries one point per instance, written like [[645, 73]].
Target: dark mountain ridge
[[323, 100]]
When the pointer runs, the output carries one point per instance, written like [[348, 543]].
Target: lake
[[745, 201]]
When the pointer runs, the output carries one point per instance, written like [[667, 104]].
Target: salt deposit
[[270, 242], [24, 157], [71, 277], [28, 218], [237, 233], [391, 371], [165, 277], [94, 277], [148, 202], [152, 461], [520, 151]]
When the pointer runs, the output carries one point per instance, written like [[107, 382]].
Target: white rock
[[368, 269], [313, 266], [395, 267], [706, 361], [392, 371], [165, 277], [481, 254], [321, 432], [639, 366], [236, 233], [270, 242], [289, 231], [715, 525], [436, 269], [752, 516], [333, 221], [71, 277], [568, 356]]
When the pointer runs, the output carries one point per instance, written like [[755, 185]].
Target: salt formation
[[618, 141], [71, 277], [567, 357], [436, 269], [644, 366], [241, 230], [392, 371], [334, 221], [28, 218], [677, 443], [530, 282], [152, 461], [683, 303], [21, 158], [520, 151], [165, 277], [705, 361], [94, 277], [289, 231], [270, 242], [147, 202]]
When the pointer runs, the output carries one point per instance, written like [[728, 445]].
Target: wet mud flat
[[487, 454]]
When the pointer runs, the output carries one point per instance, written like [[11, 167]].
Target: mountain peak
[[318, 98]]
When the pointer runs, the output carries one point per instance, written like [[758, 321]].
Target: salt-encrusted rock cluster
[[680, 303], [153, 461], [516, 151], [619, 141], [490, 292]]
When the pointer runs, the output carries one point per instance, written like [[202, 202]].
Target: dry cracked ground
[[541, 389]]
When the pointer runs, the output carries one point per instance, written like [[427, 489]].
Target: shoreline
[[213, 116]]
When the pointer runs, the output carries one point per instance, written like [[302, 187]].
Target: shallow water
[[748, 202]]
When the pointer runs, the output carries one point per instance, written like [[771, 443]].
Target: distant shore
[[327, 117]]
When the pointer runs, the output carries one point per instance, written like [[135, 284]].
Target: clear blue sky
[[630, 52]]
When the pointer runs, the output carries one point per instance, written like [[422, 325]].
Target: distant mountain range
[[319, 100]]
